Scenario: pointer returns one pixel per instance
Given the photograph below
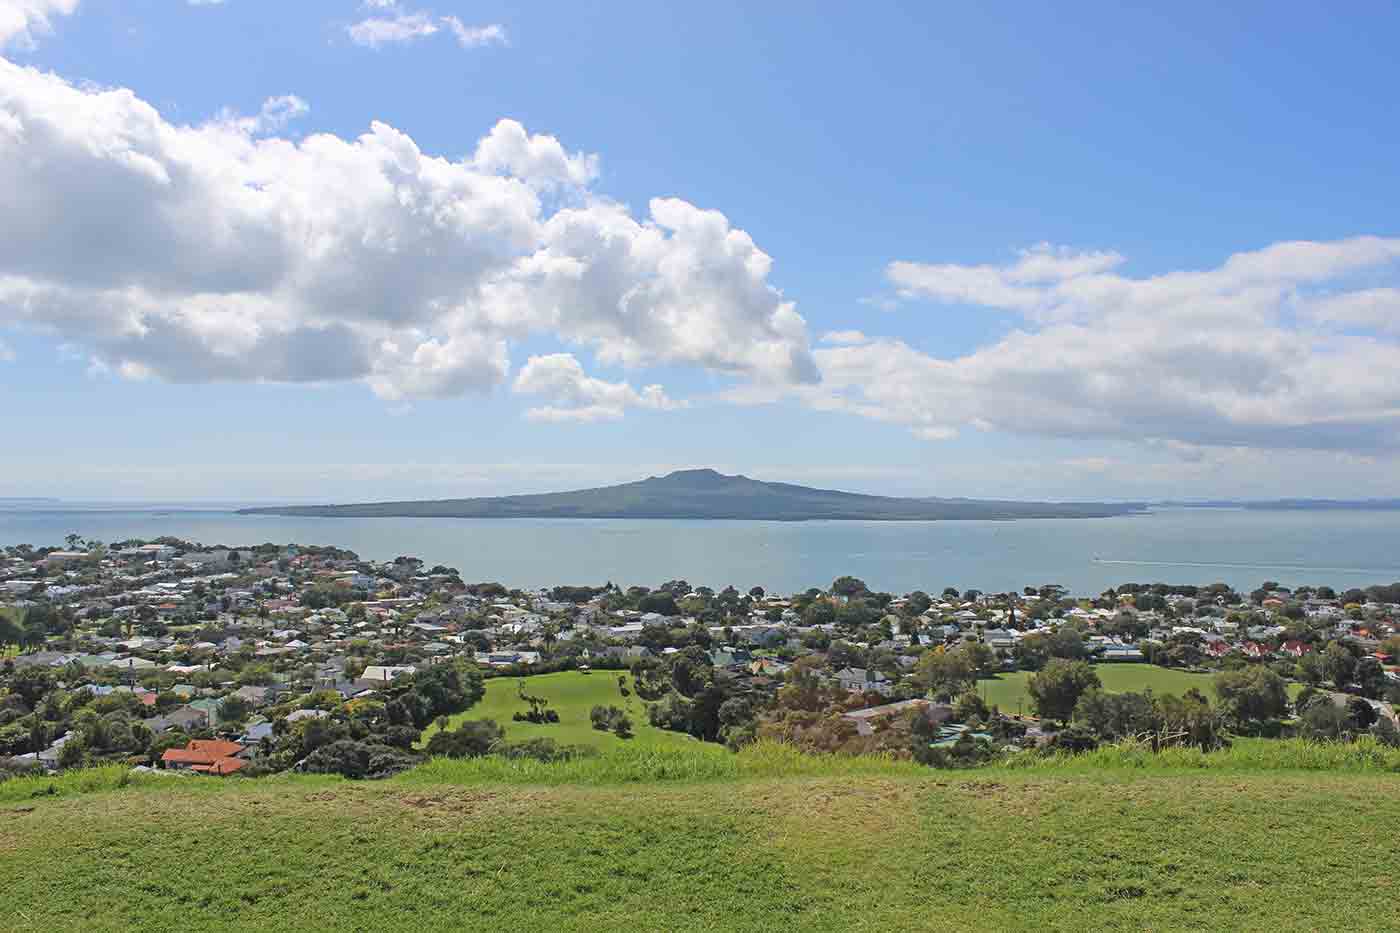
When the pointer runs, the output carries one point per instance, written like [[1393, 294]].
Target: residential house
[[860, 680], [205, 756]]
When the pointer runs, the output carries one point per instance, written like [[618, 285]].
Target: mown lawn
[[995, 849], [1008, 691], [572, 694]]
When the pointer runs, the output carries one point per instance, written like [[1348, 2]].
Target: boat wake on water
[[1303, 568]]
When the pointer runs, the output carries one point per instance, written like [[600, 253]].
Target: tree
[[1361, 713], [234, 710], [1113, 716], [1252, 695], [601, 717], [1311, 669], [661, 602], [1370, 677], [1031, 653], [945, 672], [1066, 642], [1339, 663], [819, 612], [1325, 720], [1056, 689], [969, 706], [1189, 719], [848, 586], [472, 739]]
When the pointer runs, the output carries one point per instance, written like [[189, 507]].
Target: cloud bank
[[1290, 346], [224, 251], [22, 22]]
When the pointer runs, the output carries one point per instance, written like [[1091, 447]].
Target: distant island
[[707, 494], [1288, 505]]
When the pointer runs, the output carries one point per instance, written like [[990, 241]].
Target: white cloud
[[1220, 357], [509, 150], [844, 337], [400, 26], [397, 24], [1370, 308], [559, 377], [23, 21], [470, 37], [224, 251], [1019, 286]]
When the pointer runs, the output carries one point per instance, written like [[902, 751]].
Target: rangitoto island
[[708, 494]]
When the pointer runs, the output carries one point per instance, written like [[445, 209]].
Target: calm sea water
[[1242, 548]]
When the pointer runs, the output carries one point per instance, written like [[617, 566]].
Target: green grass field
[[572, 694], [769, 840], [1008, 691]]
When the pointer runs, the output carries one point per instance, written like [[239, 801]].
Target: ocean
[[1178, 545]]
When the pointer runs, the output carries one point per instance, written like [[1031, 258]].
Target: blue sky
[[1019, 224]]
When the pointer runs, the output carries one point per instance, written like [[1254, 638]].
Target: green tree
[[945, 673], [1252, 695], [1113, 716], [472, 739], [848, 586], [1311, 669], [1339, 663], [1056, 689]]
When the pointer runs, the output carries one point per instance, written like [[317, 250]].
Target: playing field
[[572, 694], [1008, 691]]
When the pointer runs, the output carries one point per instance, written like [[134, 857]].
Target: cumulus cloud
[[22, 22], [1373, 308], [225, 251], [1244, 354], [509, 150], [576, 396]]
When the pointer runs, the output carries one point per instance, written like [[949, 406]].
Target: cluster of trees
[[372, 737], [1327, 717], [688, 695], [947, 672], [611, 719], [28, 629], [1071, 694], [539, 713], [35, 710]]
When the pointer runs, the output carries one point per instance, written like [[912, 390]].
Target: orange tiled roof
[[215, 748]]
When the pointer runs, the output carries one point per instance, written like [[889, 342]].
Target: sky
[[345, 250]]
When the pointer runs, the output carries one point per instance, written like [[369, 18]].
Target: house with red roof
[[205, 756]]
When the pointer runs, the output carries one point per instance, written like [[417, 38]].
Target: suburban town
[[214, 660]]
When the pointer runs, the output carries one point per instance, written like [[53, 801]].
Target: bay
[[1239, 547]]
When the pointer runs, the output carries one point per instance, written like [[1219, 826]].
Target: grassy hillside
[[572, 694], [810, 844], [1008, 691]]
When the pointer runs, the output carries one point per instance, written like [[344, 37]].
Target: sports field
[[572, 694], [1008, 691]]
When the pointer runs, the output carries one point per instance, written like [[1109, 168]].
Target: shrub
[[358, 760], [471, 739]]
